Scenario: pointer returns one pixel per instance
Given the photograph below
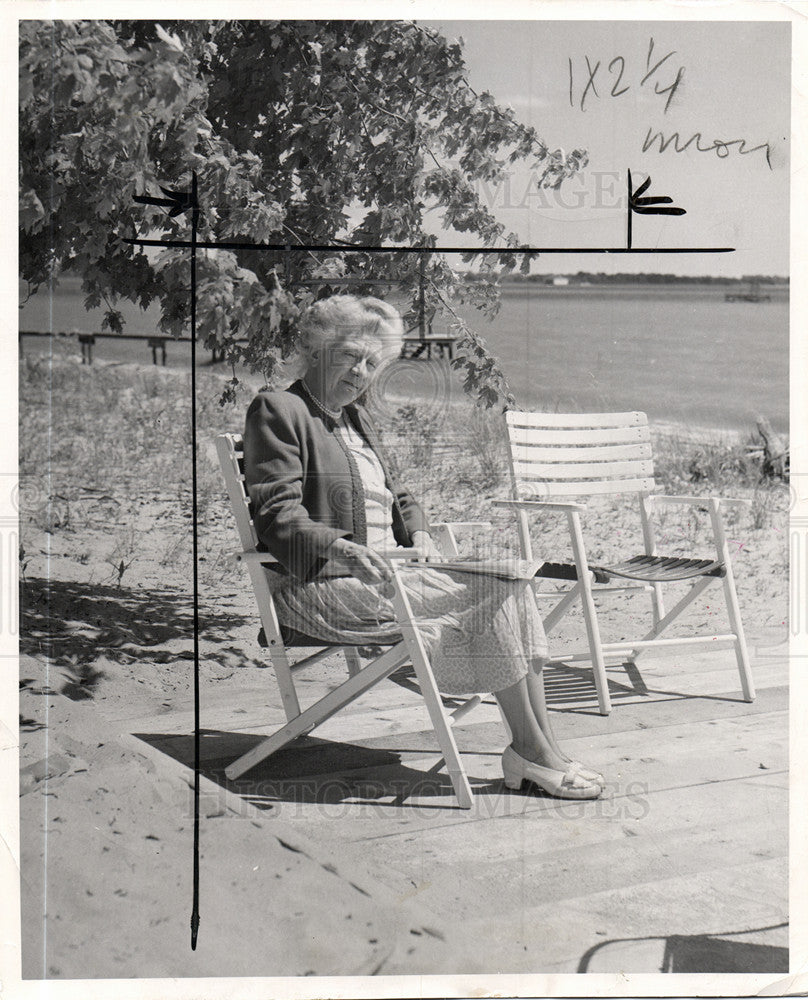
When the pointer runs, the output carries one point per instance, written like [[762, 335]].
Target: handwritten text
[[721, 147], [617, 71]]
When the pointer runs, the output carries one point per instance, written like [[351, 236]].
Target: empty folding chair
[[556, 461]]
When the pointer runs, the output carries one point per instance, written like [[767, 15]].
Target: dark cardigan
[[304, 486]]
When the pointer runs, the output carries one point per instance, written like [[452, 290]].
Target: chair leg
[[649, 537], [561, 608], [286, 685], [353, 660], [657, 603], [596, 650], [659, 627], [741, 650], [321, 710], [272, 630], [429, 692], [442, 727], [590, 613], [733, 609]]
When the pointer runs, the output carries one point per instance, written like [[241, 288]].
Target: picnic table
[[422, 347]]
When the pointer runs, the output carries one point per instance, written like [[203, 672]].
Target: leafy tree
[[300, 132]]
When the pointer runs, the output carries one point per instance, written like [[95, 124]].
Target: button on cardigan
[[304, 486]]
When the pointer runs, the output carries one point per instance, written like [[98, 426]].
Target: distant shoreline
[[70, 284], [139, 321], [587, 279]]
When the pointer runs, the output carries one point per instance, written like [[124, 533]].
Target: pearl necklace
[[332, 414]]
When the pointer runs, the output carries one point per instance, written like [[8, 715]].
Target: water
[[680, 354]]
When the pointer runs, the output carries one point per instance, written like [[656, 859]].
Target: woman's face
[[343, 369]]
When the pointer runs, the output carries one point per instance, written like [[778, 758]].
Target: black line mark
[[342, 248], [179, 202]]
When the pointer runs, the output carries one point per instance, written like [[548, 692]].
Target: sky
[[734, 84]]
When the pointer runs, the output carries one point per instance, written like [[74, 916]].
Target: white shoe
[[588, 773], [569, 784]]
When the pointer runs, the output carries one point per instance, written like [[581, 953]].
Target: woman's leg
[[538, 702], [531, 737]]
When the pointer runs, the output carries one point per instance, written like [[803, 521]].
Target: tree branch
[[383, 111], [496, 374]]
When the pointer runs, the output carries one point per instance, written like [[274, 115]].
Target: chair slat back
[[579, 454], [230, 450]]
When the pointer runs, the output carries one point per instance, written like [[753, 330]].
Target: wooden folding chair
[[555, 460], [278, 640]]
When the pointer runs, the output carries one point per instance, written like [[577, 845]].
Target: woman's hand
[[360, 561], [423, 540]]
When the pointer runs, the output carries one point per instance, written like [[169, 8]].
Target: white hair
[[339, 318], [344, 317]]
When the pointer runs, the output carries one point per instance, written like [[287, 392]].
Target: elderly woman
[[327, 506]]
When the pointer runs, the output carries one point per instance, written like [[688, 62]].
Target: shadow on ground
[[312, 770], [694, 953], [74, 624], [566, 687], [315, 770]]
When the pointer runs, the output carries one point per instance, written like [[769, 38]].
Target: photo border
[[427, 986]]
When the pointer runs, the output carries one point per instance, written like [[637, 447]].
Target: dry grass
[[722, 466], [106, 455]]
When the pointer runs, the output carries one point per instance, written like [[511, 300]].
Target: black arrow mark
[[177, 201], [639, 204], [653, 205]]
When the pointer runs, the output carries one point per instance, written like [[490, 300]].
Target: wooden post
[[86, 340], [775, 453], [158, 343]]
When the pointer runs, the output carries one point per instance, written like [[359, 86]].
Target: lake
[[681, 354]]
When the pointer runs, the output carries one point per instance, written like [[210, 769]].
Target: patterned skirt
[[483, 634]]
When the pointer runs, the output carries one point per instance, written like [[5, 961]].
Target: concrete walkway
[[681, 867]]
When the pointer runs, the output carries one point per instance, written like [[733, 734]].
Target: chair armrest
[[460, 524], [738, 501], [268, 559], [404, 555], [444, 535], [255, 557], [562, 505]]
